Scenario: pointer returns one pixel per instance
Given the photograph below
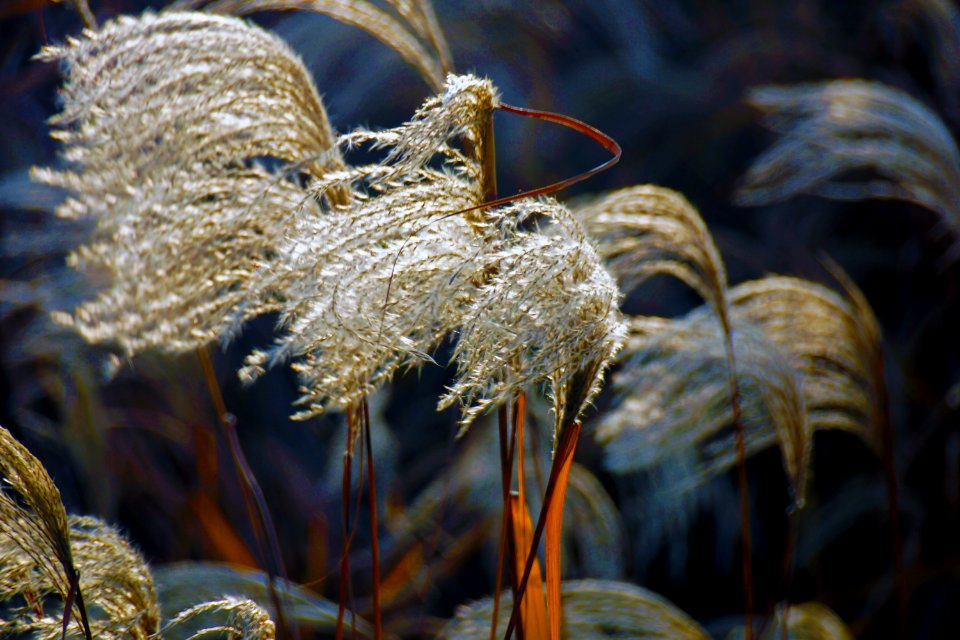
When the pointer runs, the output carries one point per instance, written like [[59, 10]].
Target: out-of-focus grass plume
[[854, 139]]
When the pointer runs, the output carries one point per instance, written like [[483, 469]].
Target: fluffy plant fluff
[[547, 314], [201, 149], [174, 127], [380, 281]]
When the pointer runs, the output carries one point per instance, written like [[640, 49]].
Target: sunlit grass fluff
[[187, 138], [548, 314], [379, 281]]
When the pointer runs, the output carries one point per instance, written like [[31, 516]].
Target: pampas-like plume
[[674, 396], [42, 551], [377, 283], [114, 580], [832, 129], [412, 31], [835, 343], [807, 359], [548, 314], [172, 123]]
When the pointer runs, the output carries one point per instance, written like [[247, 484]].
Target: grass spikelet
[[172, 125], [830, 130]]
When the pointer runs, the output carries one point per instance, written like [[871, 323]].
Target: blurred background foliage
[[669, 81]]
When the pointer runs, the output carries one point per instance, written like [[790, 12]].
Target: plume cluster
[[219, 194], [830, 132], [379, 282]]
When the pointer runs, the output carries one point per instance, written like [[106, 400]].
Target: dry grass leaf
[[591, 609], [646, 230], [830, 132], [411, 29], [379, 281], [673, 395], [548, 315], [186, 139]]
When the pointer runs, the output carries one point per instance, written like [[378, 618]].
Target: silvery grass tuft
[[548, 315], [808, 358], [830, 133], [381, 280], [187, 139]]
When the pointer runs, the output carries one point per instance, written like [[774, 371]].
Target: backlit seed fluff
[[187, 139]]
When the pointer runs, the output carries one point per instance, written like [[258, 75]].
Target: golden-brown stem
[[566, 445]]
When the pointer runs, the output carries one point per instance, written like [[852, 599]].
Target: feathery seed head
[[645, 230], [377, 282], [830, 130], [173, 125], [549, 314]]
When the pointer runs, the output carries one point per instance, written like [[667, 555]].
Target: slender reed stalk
[[345, 529], [507, 448], [258, 512]]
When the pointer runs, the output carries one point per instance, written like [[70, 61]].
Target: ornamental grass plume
[[187, 139], [807, 358], [832, 132], [673, 396], [548, 315], [379, 281]]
